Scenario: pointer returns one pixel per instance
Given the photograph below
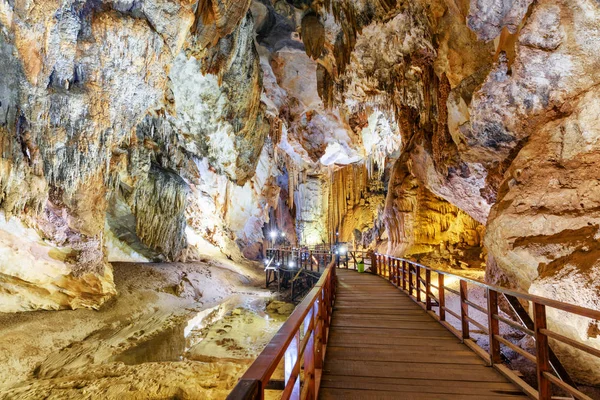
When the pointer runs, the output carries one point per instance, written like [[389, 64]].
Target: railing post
[[309, 354], [396, 262], [427, 290], [319, 330], [418, 282], [464, 309], [291, 356], [493, 326], [403, 275], [410, 280], [389, 267], [373, 262], [441, 296], [542, 352]]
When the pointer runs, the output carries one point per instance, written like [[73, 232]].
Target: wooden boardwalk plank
[[401, 354], [348, 394], [384, 346]]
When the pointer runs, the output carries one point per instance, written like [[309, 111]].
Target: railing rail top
[[559, 305]]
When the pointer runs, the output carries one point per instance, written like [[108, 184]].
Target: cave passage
[[154, 154]]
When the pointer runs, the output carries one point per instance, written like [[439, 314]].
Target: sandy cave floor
[[177, 330]]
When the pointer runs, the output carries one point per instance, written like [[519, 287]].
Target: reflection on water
[[238, 329]]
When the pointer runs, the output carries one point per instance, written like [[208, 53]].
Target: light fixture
[[282, 234], [343, 250], [273, 234], [266, 261], [291, 264]]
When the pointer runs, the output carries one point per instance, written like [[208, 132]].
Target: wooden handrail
[[570, 308], [545, 360], [302, 337]]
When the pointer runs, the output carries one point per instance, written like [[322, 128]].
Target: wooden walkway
[[382, 345]]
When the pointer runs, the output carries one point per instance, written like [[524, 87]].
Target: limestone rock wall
[[80, 75], [120, 124], [426, 227], [154, 130], [494, 102]]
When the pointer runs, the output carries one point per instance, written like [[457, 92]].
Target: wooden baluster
[[493, 326], [291, 356], [464, 309], [427, 290], [389, 270], [542, 352], [418, 282], [326, 302], [403, 275], [410, 281], [309, 355], [396, 263], [319, 330], [441, 296], [373, 262]]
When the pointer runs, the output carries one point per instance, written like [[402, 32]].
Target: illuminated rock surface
[[463, 134]]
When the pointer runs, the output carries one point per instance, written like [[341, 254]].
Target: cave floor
[[383, 344], [185, 330]]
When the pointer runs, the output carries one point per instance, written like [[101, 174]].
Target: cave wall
[[425, 227], [158, 131], [154, 130], [496, 105], [130, 131]]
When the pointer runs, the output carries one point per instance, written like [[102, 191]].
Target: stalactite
[[313, 35], [354, 200], [444, 150], [217, 19], [325, 86]]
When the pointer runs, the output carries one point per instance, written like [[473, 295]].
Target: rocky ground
[[147, 342]]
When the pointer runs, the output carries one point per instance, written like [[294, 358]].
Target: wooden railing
[[312, 260], [300, 343], [421, 282], [350, 259]]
